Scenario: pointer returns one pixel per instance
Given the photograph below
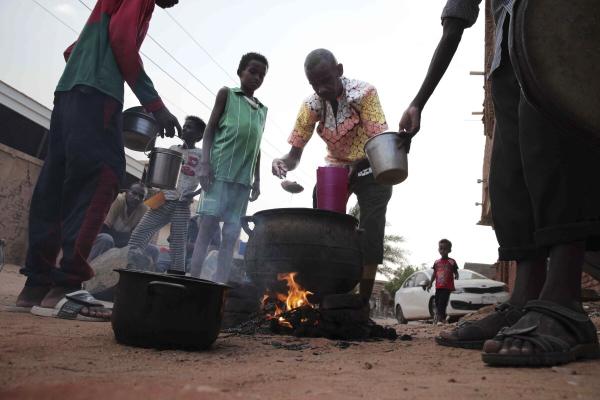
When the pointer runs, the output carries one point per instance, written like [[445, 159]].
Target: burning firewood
[[343, 317]]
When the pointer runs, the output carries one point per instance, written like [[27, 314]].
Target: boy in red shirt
[[445, 271]]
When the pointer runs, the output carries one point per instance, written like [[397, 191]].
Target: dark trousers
[[544, 184], [77, 184], [442, 296]]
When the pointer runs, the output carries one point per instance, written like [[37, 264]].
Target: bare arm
[[255, 191], [452, 34], [288, 162], [209, 136]]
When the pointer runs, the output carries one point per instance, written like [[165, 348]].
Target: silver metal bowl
[[388, 158]]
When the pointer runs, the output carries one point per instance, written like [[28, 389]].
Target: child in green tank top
[[229, 172]]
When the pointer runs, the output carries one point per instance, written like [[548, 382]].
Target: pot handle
[[153, 141], [244, 221], [164, 288]]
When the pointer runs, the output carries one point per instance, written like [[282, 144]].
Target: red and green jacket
[[106, 54]]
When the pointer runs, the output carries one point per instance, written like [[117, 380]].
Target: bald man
[[346, 113]]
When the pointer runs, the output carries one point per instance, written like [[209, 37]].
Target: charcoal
[[233, 319], [290, 346], [335, 324], [346, 316], [342, 301]]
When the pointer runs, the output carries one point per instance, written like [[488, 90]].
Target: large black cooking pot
[[322, 246], [166, 311]]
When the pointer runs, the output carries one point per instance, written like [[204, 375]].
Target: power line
[[209, 108], [200, 46], [265, 140], [272, 121], [77, 33]]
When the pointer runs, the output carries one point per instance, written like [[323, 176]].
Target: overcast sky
[[388, 43]]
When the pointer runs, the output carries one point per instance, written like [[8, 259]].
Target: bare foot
[[547, 334], [32, 296], [96, 312], [56, 294]]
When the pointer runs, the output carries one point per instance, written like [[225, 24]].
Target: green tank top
[[237, 139]]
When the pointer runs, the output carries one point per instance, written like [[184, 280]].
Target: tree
[[399, 276], [394, 256]]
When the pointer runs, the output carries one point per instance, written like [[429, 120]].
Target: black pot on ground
[[166, 311], [323, 247]]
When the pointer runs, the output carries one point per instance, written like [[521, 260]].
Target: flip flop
[[574, 337], [70, 306], [473, 334], [16, 309]]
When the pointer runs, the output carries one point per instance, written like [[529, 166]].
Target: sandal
[[552, 334], [75, 306], [472, 334]]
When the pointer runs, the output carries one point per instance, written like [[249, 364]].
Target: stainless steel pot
[[388, 158], [163, 168], [139, 129]]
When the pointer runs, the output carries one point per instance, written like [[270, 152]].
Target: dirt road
[[45, 358]]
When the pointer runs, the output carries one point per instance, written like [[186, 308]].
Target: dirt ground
[[45, 358]]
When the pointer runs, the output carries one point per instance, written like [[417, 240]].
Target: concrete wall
[[18, 175]]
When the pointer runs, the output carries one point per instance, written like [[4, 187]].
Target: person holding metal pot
[[86, 161], [545, 212], [346, 113]]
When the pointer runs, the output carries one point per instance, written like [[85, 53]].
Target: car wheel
[[400, 315], [432, 307]]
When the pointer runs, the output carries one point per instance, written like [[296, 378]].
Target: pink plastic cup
[[332, 188]]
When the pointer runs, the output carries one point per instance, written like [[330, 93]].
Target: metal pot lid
[[170, 277]]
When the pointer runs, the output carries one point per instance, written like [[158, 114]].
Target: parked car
[[473, 291]]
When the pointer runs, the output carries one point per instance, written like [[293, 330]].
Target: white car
[[473, 291]]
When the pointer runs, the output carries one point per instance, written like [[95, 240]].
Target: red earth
[[46, 358]]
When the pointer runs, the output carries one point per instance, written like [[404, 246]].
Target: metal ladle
[[291, 186]]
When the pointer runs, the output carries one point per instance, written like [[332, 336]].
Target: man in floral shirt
[[346, 113]]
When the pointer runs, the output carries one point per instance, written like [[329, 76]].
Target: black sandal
[[472, 334], [576, 337]]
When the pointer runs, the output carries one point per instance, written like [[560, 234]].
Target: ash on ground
[[340, 317]]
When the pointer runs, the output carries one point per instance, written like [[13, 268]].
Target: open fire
[[340, 316], [277, 306]]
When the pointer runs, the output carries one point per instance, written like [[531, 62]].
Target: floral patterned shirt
[[359, 117]]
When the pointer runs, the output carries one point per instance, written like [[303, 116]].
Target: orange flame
[[296, 297]]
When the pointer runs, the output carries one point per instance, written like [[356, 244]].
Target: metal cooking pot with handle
[[166, 311], [163, 168], [388, 158], [139, 129], [323, 247]]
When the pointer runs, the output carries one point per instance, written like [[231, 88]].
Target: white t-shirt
[[188, 176]]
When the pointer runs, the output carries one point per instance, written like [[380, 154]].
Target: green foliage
[[399, 275], [394, 256]]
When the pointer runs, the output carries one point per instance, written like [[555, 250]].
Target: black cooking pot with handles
[[322, 246], [166, 311]]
